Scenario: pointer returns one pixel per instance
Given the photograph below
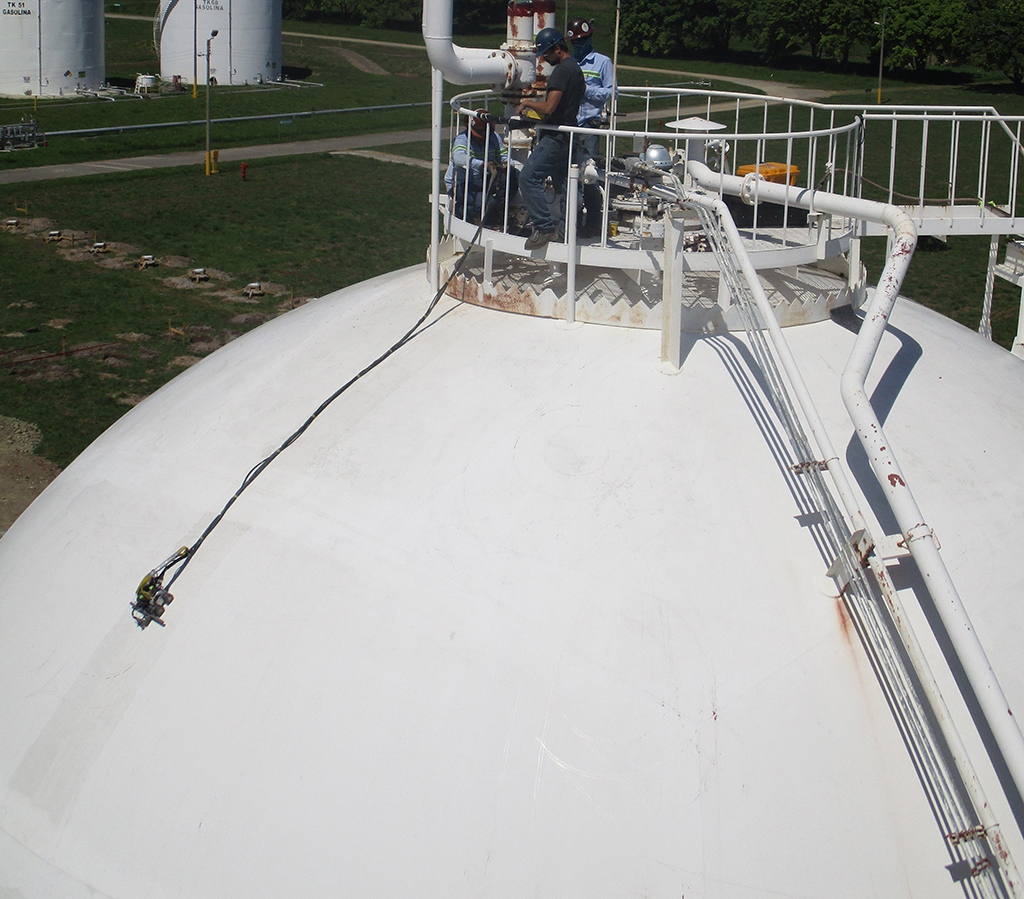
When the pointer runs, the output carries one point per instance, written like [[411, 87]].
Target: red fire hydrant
[[245, 165]]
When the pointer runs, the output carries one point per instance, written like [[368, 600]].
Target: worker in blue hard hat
[[550, 157], [599, 81]]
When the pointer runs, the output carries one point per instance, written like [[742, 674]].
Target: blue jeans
[[550, 158]]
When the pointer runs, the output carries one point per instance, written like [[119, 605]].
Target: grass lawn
[[80, 342]]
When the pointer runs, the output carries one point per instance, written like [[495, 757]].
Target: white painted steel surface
[[247, 49], [51, 47], [519, 614], [463, 65]]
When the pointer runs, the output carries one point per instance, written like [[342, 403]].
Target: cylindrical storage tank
[[51, 47], [247, 47]]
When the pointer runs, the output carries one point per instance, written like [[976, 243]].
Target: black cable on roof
[[152, 596]]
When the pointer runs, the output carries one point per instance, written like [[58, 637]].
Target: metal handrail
[[833, 135], [836, 155]]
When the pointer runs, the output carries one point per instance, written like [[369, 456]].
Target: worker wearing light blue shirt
[[598, 77], [469, 151]]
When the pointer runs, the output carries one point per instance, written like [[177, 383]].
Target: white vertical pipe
[[847, 166], [833, 151], [812, 162], [488, 282], [571, 203], [985, 326], [789, 162], [1014, 169], [736, 142], [982, 153], [612, 124], [952, 157], [861, 141], [543, 15], [892, 161], [606, 205], [436, 103], [924, 166], [508, 192], [987, 159], [956, 162], [672, 293], [39, 47]]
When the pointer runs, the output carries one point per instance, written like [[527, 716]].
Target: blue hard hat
[[546, 39]]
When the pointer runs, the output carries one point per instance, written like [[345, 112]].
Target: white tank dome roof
[[518, 615]]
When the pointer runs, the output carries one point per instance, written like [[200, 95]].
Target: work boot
[[537, 239]]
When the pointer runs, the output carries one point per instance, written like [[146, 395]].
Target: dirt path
[[23, 476]]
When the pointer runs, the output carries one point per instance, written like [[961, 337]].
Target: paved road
[[198, 158]]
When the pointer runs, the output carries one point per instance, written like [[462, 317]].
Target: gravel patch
[[18, 436]]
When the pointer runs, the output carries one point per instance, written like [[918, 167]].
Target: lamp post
[[195, 48], [881, 53], [209, 41]]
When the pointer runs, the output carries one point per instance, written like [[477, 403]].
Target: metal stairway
[[979, 860]]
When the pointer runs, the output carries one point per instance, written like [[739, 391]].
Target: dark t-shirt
[[566, 77]]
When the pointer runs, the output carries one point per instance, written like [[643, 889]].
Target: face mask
[[580, 49]]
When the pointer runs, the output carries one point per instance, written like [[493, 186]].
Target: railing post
[[672, 293], [436, 102], [1018, 341], [571, 205], [985, 327]]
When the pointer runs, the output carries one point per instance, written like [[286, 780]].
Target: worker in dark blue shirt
[[550, 157]]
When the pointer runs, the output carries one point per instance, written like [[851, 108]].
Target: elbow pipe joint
[[461, 65]]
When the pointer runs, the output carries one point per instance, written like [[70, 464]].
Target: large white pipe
[[920, 539], [993, 831], [918, 535], [462, 65]]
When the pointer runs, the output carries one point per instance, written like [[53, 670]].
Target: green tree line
[[469, 15], [918, 33]]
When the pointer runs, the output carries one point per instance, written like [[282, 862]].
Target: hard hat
[[477, 123], [579, 29], [546, 39], [658, 156]]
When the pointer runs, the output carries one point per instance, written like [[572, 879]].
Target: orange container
[[772, 171]]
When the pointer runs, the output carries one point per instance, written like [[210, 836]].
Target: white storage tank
[[247, 48], [519, 615], [51, 47]]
